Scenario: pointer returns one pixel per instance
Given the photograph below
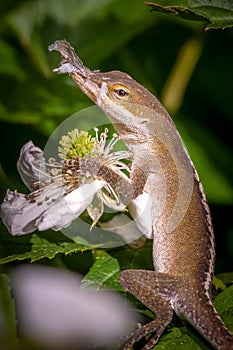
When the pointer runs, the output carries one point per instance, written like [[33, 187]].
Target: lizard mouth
[[87, 85]]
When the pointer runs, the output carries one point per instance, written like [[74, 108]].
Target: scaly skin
[[183, 239]]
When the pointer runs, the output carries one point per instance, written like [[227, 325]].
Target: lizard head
[[129, 105]]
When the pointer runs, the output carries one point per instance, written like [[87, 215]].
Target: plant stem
[[174, 88]]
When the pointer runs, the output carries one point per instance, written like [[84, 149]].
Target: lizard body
[[183, 238]]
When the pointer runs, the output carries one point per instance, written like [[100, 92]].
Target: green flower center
[[76, 144]]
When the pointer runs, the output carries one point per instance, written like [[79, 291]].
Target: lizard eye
[[120, 92]]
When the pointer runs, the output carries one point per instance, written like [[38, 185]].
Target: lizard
[[183, 239]]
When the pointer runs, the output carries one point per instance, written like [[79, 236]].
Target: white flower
[[89, 176], [55, 310], [140, 210], [31, 164]]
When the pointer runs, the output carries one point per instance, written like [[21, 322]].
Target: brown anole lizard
[[183, 239]]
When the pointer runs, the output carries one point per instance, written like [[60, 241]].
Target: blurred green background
[[188, 68]]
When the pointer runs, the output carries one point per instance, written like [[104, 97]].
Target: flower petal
[[18, 214], [63, 212], [31, 164], [140, 210], [96, 208], [123, 226], [111, 202]]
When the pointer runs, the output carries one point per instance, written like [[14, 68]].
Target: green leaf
[[41, 248], [224, 305], [176, 339], [218, 283], [217, 13], [8, 61], [105, 272], [226, 278], [25, 30], [130, 258], [8, 334]]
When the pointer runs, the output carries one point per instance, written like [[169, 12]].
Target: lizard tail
[[208, 322]]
